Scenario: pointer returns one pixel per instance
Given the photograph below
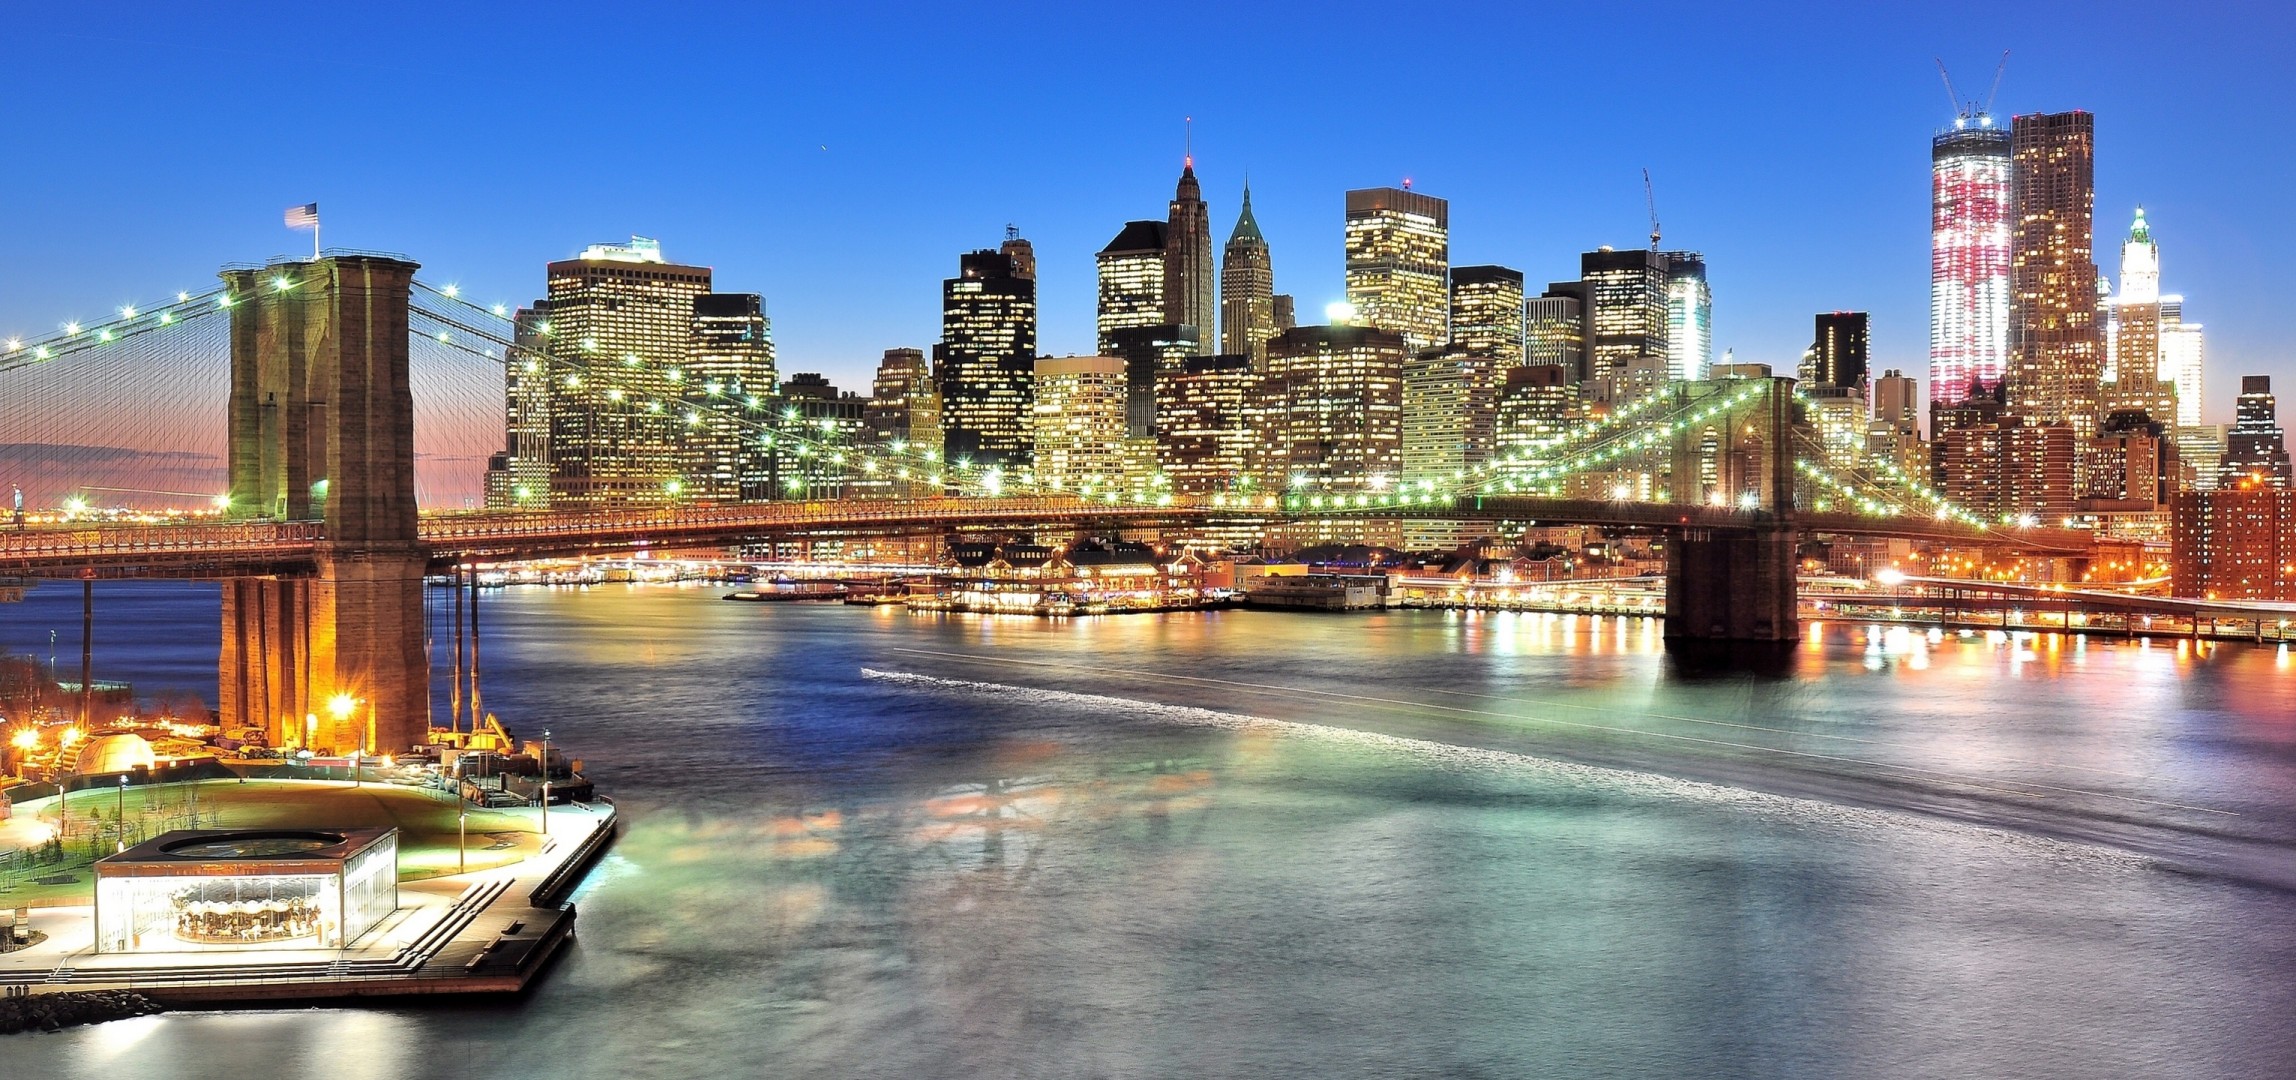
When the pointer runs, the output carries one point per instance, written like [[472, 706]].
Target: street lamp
[[355, 770], [546, 785], [462, 839], [121, 812]]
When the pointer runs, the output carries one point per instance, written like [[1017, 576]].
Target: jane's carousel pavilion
[[197, 889]]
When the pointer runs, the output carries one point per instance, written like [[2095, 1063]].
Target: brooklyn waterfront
[[866, 842]]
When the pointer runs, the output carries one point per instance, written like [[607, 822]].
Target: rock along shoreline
[[54, 1012]]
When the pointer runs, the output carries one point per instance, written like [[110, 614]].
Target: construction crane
[[1651, 201], [1971, 110]]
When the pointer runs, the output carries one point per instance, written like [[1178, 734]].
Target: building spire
[[1188, 144], [2140, 232]]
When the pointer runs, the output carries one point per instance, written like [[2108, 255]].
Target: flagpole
[[314, 238]]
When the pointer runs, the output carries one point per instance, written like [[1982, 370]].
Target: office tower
[[2233, 544], [834, 424], [1837, 354], [2255, 450], [2182, 349], [1554, 331], [1487, 313], [1208, 424], [1398, 263], [1334, 408], [1625, 299], [903, 414], [527, 377], [1536, 403], [2058, 346], [985, 361], [732, 362], [1689, 315], [2008, 468], [1149, 353], [1188, 281], [2132, 466], [1132, 278], [1285, 317], [2201, 448], [1894, 434], [1632, 381], [1841, 421], [623, 317], [1969, 222], [2137, 378], [1448, 402], [1080, 402], [1247, 290]]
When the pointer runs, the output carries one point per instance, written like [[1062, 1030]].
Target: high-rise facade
[[1247, 289], [1149, 353], [1188, 281], [1894, 434], [527, 382], [1399, 262], [1969, 221], [1689, 315], [1131, 279], [904, 410], [2182, 348], [1079, 423], [1837, 356], [2135, 377], [732, 362], [1487, 313], [2255, 450], [622, 317], [1333, 400], [2236, 543], [1536, 403], [985, 362], [1625, 308], [2058, 345], [1208, 424], [1554, 331], [834, 424], [1448, 401]]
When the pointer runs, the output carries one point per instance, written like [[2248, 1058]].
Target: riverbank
[[55, 1012]]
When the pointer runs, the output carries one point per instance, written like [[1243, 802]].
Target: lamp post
[[545, 785], [462, 838], [121, 812], [355, 770]]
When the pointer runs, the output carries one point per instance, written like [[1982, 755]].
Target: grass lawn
[[425, 820]]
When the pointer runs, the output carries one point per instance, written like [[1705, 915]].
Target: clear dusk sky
[[838, 157]]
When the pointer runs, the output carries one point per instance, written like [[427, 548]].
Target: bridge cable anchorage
[[462, 324]]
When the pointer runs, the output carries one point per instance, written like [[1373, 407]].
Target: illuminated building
[[2255, 450], [1188, 281], [203, 890], [623, 317], [1487, 313], [1247, 290], [2133, 464], [732, 362], [1149, 353], [1398, 263], [1448, 398], [1285, 317], [1969, 223], [1334, 408], [986, 358], [2135, 376], [2201, 448], [1895, 431], [1689, 315], [1536, 402], [2234, 543], [830, 424], [524, 478], [1625, 309], [2181, 351], [2008, 468], [1554, 330], [1131, 279], [1208, 424], [2058, 363], [1839, 414], [904, 410], [1837, 355], [1080, 405]]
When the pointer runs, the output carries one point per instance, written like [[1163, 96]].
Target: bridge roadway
[[254, 549]]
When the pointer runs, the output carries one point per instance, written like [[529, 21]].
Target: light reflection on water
[[1460, 843]]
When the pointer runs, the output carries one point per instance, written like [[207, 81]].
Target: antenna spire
[[1188, 142]]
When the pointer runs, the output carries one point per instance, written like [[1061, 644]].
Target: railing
[[176, 543]]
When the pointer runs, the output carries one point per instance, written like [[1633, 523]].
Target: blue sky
[[837, 158]]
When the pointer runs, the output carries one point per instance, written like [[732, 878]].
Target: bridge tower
[[1736, 584], [322, 430]]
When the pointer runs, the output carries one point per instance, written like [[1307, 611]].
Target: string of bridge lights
[[132, 320]]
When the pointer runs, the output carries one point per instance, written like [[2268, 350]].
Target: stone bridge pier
[[1737, 584], [322, 429]]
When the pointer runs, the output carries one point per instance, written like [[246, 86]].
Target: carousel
[[246, 889]]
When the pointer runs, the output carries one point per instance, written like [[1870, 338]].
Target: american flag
[[305, 216]]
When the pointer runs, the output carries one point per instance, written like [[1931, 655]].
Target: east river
[[864, 843]]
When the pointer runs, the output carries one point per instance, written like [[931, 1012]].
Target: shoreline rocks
[[54, 1012]]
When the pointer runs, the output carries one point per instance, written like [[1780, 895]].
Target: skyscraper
[[1208, 423], [1448, 399], [1334, 408], [1487, 313], [525, 482], [1132, 278], [732, 361], [2255, 450], [2058, 345], [1079, 422], [829, 419], [1969, 218], [2135, 377], [1554, 331], [2182, 348], [1689, 315], [1837, 355], [1188, 282], [1536, 402], [985, 361], [1625, 308], [904, 409], [1149, 353], [624, 316], [1398, 263], [1247, 290]]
